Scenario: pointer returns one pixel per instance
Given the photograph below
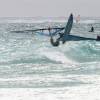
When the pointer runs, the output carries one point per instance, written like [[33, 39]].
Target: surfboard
[[67, 28], [69, 25]]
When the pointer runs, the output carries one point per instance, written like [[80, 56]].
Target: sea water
[[32, 69]]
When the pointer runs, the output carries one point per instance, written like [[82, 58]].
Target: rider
[[57, 42], [92, 29], [54, 43]]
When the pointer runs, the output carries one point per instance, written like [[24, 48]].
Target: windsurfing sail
[[78, 38], [77, 18], [41, 30]]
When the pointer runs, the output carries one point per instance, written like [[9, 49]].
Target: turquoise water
[[28, 60]]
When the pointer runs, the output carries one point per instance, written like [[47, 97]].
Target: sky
[[49, 8]]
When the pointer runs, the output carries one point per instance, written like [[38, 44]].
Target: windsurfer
[[92, 29]]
